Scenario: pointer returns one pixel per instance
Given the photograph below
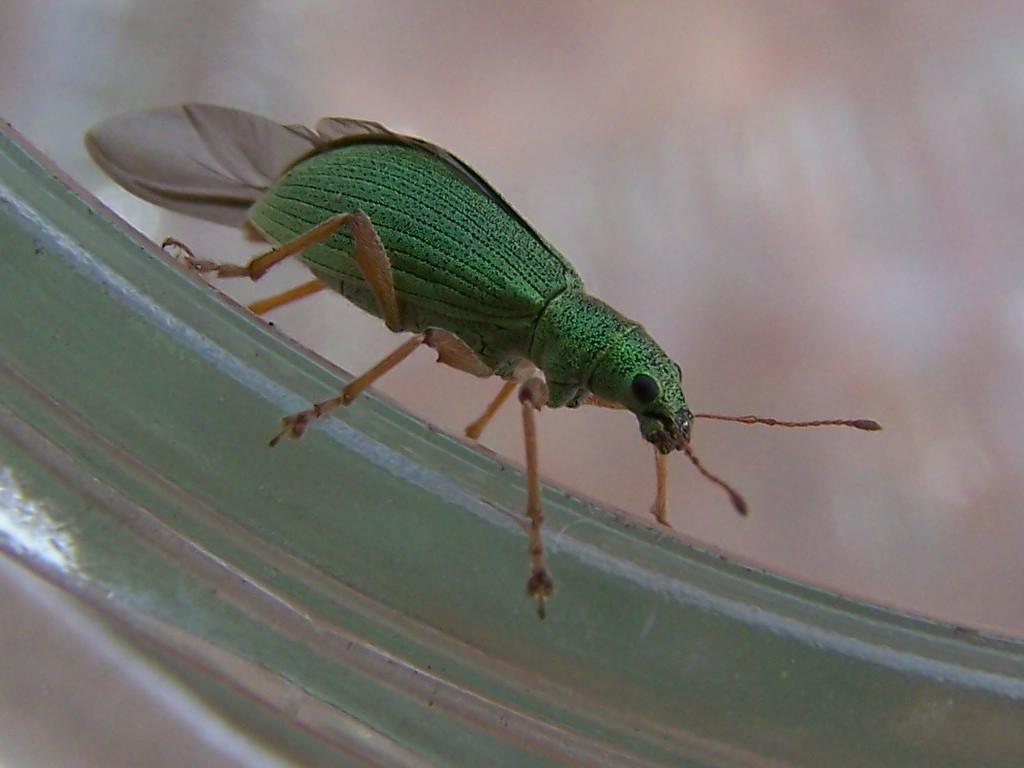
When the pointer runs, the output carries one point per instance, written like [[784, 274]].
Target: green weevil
[[413, 235]]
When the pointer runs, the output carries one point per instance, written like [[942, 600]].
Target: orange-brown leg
[[532, 396], [263, 306], [295, 424], [474, 430], [368, 254]]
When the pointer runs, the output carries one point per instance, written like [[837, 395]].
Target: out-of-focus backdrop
[[816, 207]]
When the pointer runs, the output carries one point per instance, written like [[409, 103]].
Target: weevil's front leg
[[295, 424], [533, 395], [660, 506], [369, 255]]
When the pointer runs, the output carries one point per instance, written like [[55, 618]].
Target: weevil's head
[[637, 374]]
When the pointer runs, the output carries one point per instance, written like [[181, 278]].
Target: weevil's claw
[[181, 252], [177, 250], [293, 426], [540, 586]]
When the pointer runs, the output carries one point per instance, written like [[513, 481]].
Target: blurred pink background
[[816, 207]]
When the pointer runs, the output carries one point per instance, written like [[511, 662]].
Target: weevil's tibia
[[532, 395], [474, 430], [295, 424], [260, 265], [660, 507], [263, 306]]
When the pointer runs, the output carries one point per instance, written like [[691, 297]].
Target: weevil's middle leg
[[262, 306], [473, 430], [523, 371], [295, 424], [660, 507], [533, 395]]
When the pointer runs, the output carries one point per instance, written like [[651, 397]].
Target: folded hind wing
[[202, 160]]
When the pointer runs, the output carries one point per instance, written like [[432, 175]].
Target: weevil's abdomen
[[462, 259]]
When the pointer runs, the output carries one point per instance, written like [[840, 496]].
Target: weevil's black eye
[[645, 389]]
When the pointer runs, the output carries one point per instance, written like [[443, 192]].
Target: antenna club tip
[[738, 503], [869, 425]]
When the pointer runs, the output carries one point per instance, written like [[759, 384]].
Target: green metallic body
[[465, 262], [462, 260]]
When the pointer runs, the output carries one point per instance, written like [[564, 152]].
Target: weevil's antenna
[[869, 425], [737, 501]]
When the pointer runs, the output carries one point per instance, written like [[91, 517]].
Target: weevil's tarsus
[[474, 430], [294, 425], [176, 249], [532, 396], [660, 507], [869, 425], [263, 306]]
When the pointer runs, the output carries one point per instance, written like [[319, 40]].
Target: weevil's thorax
[[585, 346]]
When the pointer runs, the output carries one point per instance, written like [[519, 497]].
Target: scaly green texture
[[464, 261]]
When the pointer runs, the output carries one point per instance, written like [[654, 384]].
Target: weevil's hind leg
[[263, 306], [532, 396], [259, 266], [368, 254], [372, 260], [454, 352], [295, 424]]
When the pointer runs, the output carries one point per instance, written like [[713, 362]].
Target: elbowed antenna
[[738, 502]]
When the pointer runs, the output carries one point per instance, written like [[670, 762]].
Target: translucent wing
[[202, 160], [332, 128], [214, 162]]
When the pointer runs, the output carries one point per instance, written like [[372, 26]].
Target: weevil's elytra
[[460, 260], [411, 234]]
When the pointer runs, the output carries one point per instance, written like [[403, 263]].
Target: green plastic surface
[[356, 597]]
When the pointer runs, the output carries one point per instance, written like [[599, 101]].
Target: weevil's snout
[[666, 432]]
